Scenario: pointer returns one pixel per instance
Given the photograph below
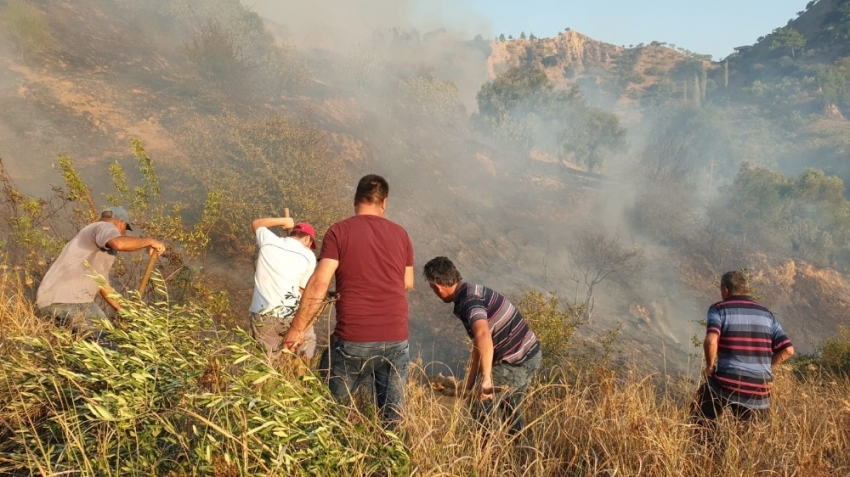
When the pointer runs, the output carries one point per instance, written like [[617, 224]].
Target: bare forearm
[[131, 244], [484, 343], [311, 300], [474, 368], [709, 347], [105, 293], [285, 222]]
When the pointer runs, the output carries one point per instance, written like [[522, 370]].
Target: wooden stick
[[148, 270]]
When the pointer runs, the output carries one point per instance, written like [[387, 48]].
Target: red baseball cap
[[308, 229]]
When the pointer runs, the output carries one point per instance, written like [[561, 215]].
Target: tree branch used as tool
[[148, 270]]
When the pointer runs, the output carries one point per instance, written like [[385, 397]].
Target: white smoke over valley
[[419, 92]]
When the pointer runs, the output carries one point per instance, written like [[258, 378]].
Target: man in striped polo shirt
[[743, 341], [505, 352]]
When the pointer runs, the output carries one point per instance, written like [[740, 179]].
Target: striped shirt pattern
[[749, 336], [513, 341]]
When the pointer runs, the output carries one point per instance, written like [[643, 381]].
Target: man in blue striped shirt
[[743, 341], [505, 352]]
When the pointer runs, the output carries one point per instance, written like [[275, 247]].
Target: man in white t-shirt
[[284, 265]]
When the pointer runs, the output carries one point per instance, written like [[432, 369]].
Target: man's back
[[513, 340], [373, 253], [68, 279], [283, 266], [749, 337]]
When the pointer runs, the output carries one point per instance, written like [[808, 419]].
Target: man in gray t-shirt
[[68, 289]]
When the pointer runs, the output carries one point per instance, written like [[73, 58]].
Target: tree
[[515, 88], [522, 36], [502, 37], [834, 82], [596, 257], [787, 37], [594, 133]]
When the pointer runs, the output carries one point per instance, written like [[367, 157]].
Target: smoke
[[340, 25], [394, 85], [431, 37]]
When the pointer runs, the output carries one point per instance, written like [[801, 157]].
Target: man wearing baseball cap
[[284, 264], [68, 289]]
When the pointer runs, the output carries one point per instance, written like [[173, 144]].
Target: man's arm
[[709, 347], [311, 299], [285, 222], [105, 291], [483, 348], [472, 372], [780, 356], [131, 244], [408, 278]]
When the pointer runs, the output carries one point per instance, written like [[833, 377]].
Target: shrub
[[835, 353], [553, 323], [163, 395], [26, 224]]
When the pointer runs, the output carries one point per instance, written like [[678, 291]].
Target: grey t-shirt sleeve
[[103, 233]]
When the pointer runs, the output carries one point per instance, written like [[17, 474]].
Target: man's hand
[[156, 247], [292, 339], [708, 371], [485, 389]]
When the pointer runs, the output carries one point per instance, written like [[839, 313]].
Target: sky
[[712, 27]]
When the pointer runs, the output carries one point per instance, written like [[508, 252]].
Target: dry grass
[[609, 425], [605, 423]]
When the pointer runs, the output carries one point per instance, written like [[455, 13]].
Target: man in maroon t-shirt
[[372, 261]]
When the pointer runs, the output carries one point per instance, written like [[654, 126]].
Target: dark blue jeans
[[385, 363]]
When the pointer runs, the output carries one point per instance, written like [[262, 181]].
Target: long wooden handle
[[286, 212], [148, 271]]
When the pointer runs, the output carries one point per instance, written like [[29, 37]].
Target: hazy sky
[[709, 26], [712, 27]]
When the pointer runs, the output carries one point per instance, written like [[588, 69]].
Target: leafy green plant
[[161, 394], [29, 239], [553, 322]]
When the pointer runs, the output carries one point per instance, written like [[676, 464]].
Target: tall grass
[[164, 395], [628, 426]]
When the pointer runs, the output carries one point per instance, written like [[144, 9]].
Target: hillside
[[621, 75], [208, 90]]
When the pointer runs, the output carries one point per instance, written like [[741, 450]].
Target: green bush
[[835, 353], [164, 395], [553, 323]]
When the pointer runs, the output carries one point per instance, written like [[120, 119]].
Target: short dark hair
[[372, 189], [735, 282], [442, 271]]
